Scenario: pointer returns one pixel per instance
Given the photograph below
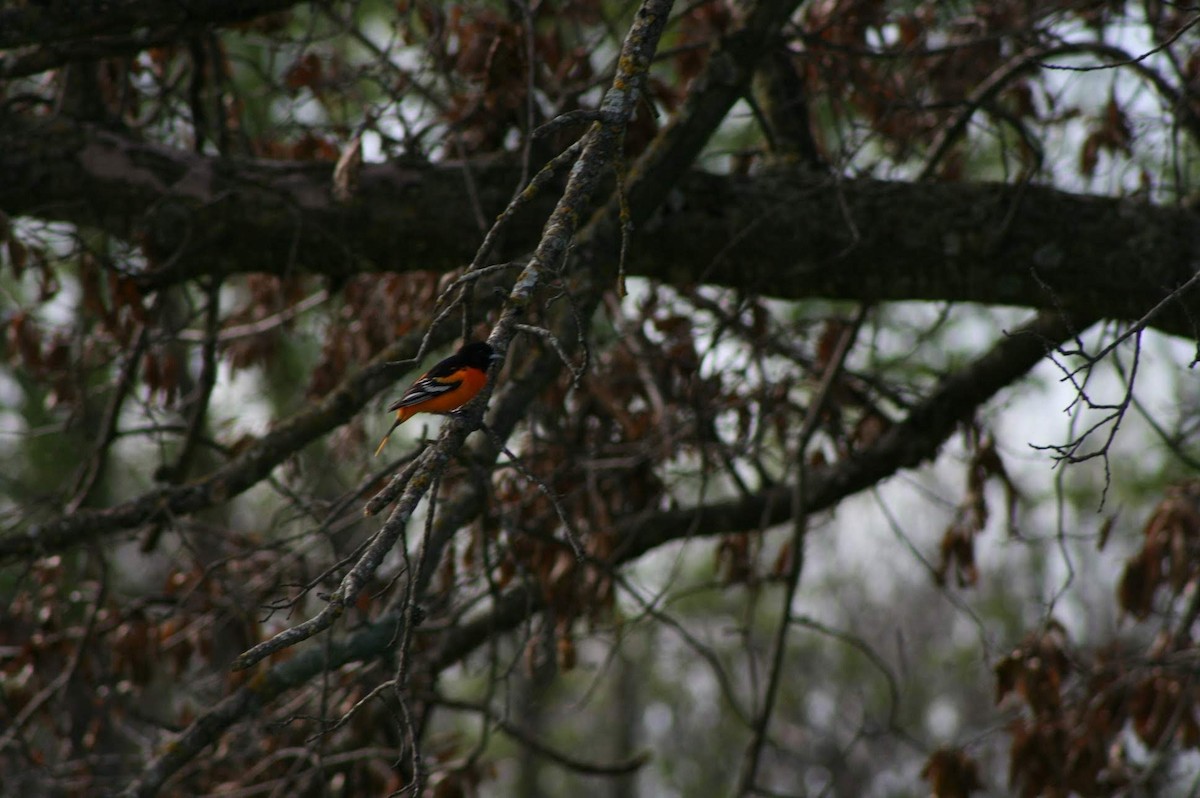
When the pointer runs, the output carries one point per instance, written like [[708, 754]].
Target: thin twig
[[261, 326], [96, 464], [1129, 61], [198, 410], [572, 763], [573, 536], [552, 339], [808, 428]]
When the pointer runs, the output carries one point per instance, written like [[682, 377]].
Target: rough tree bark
[[786, 233]]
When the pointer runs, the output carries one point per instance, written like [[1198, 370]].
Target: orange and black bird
[[446, 387]]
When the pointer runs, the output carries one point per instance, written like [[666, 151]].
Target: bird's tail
[[399, 420]]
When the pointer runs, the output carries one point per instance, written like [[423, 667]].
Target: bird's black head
[[477, 354]]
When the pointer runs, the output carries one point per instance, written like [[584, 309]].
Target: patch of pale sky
[[236, 408], [11, 396]]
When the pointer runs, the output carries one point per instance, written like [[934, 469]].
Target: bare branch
[[63, 20], [862, 240]]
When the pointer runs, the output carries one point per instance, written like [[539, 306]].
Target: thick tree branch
[[49, 21], [876, 241], [192, 215], [33, 59], [784, 234]]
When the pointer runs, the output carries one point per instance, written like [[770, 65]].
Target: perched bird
[[446, 387]]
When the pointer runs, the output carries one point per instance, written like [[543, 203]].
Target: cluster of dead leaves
[[484, 56], [376, 310], [51, 630], [1079, 707], [113, 310], [951, 773], [958, 542], [1169, 559], [1063, 741], [909, 70], [79, 655], [1073, 736]]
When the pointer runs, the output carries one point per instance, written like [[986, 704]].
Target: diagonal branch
[[909, 443]]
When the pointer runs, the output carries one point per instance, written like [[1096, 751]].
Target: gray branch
[[784, 234]]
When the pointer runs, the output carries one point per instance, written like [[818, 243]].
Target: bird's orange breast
[[473, 381]]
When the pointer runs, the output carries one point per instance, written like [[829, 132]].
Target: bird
[[446, 387]]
